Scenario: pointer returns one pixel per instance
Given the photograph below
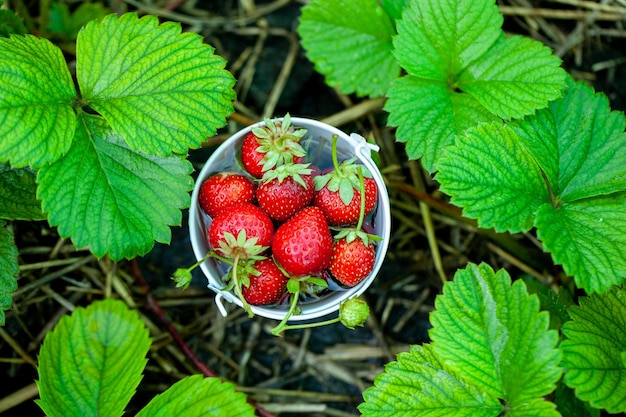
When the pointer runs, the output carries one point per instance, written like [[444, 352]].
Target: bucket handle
[[219, 296], [362, 146]]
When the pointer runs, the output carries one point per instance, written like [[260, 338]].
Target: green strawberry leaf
[[463, 70], [91, 363], [8, 269], [492, 355], [117, 201], [566, 165], [11, 23], [581, 147], [198, 396], [437, 40], [501, 185], [37, 120], [534, 79], [594, 349], [588, 238], [419, 383], [579, 143], [428, 116], [161, 90], [67, 24], [394, 7], [18, 199], [554, 302], [570, 406], [492, 333], [350, 45], [534, 408]]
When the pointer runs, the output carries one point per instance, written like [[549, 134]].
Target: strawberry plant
[[520, 147], [459, 67], [104, 160], [562, 171], [92, 363]]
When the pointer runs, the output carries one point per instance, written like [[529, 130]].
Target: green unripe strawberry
[[353, 312]]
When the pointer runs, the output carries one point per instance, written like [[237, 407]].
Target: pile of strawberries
[[286, 228]]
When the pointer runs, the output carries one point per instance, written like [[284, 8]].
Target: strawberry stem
[[237, 285], [305, 326], [182, 276], [335, 138], [217, 256], [276, 331], [362, 207], [352, 312]]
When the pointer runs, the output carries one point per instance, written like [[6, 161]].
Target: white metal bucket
[[318, 137]]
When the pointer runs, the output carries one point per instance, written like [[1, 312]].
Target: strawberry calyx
[[245, 268], [288, 170], [353, 233], [279, 142], [240, 247], [236, 280]]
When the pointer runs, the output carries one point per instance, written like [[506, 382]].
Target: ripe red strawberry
[[265, 148], [352, 261], [303, 244], [338, 192], [268, 286], [222, 190], [285, 190], [337, 211], [240, 231]]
